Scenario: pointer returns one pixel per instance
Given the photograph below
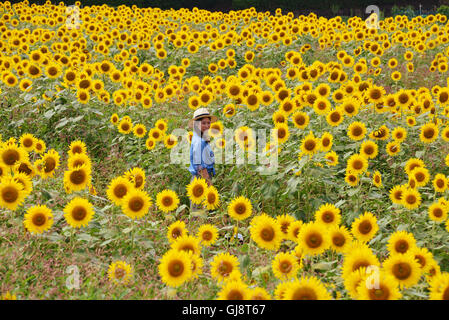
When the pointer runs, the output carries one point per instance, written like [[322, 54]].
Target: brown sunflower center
[[198, 191], [402, 270], [39, 219], [176, 268], [207, 235], [120, 190], [438, 212], [225, 268], [328, 217], [382, 293], [338, 240], [310, 145], [27, 143], [314, 240], [136, 204], [357, 131], [23, 168], [267, 234], [79, 213], [401, 246], [234, 295], [411, 199], [167, 201], [335, 116], [304, 294], [365, 227], [10, 157], [10, 194], [429, 133], [211, 198], [50, 165], [78, 177]]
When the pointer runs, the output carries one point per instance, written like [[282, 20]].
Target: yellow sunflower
[[313, 238], [78, 212], [266, 232], [328, 215], [365, 227], [167, 200], [176, 230], [306, 288], [385, 287], [211, 198], [11, 193], [404, 268], [38, 219], [118, 188], [240, 208], [196, 190], [119, 272], [234, 290], [207, 234], [223, 266], [285, 266], [175, 268], [401, 242], [340, 238], [136, 203]]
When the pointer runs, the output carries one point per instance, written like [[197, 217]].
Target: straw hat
[[201, 113]]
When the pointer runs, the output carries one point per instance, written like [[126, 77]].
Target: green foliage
[[444, 10]]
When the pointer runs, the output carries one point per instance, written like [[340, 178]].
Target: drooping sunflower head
[[211, 198], [137, 177]]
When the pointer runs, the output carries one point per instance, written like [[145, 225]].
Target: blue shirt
[[201, 156]]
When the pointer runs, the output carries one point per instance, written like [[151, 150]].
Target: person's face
[[205, 124]]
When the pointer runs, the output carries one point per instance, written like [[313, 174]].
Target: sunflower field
[[92, 205]]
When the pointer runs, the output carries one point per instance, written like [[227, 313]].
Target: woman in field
[[202, 160]]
